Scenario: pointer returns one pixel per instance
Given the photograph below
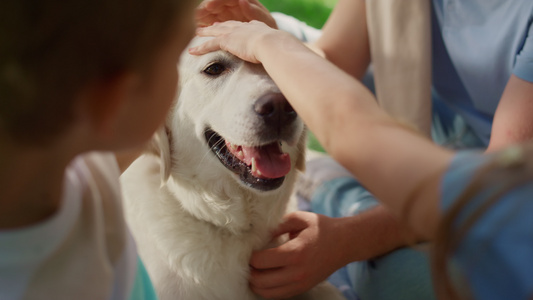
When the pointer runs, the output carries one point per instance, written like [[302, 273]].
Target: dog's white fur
[[195, 223]]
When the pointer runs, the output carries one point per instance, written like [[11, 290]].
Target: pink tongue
[[270, 161]]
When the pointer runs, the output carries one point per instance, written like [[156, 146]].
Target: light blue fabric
[[450, 130], [477, 45], [497, 253], [404, 273], [401, 275], [142, 288]]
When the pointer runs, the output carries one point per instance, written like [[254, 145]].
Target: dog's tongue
[[270, 161]]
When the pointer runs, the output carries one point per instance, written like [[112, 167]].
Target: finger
[[252, 8], [206, 47], [279, 283], [220, 6], [212, 30], [205, 21], [246, 9], [229, 15], [218, 29], [269, 258], [255, 2], [236, 15], [284, 255], [213, 5], [201, 13], [292, 223], [268, 279]]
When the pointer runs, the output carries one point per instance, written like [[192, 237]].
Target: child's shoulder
[[86, 240], [100, 170]]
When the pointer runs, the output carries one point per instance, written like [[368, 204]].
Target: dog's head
[[230, 116]]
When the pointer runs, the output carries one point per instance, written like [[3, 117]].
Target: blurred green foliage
[[313, 12]]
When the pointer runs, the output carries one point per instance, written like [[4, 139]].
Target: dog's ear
[[160, 146], [302, 146]]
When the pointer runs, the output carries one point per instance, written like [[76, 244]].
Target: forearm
[[344, 40], [373, 233], [321, 86], [512, 121], [347, 121]]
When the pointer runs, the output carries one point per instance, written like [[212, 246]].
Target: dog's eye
[[215, 69]]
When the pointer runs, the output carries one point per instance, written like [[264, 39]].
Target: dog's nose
[[274, 109]]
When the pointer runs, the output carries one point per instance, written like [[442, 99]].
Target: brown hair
[[508, 169], [50, 48]]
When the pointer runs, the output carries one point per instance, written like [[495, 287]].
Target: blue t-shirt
[[477, 45], [496, 255]]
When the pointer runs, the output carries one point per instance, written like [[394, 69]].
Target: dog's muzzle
[[262, 168]]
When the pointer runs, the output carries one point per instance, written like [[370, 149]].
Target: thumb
[[292, 224]]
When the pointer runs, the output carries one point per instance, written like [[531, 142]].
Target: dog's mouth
[[263, 168]]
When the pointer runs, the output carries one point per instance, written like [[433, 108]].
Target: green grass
[[314, 13]]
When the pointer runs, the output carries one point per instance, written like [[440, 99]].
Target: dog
[[217, 182]]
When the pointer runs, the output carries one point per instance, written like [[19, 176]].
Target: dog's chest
[[213, 263]]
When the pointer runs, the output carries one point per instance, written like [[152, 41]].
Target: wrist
[[273, 43], [373, 233]]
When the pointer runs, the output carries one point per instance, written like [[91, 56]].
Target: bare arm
[[391, 160], [513, 122], [344, 39]]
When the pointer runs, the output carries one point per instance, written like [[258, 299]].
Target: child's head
[[50, 50]]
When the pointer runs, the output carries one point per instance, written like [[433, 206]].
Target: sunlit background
[[312, 12]]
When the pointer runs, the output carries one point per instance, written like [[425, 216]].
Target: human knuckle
[[299, 251], [258, 284]]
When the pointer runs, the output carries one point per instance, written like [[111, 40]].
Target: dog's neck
[[229, 206]]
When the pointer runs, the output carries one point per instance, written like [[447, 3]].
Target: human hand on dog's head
[[211, 11], [247, 41]]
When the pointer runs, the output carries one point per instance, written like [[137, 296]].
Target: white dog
[[220, 183]]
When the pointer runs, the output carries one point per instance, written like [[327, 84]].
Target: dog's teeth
[[254, 167], [255, 171], [240, 154]]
